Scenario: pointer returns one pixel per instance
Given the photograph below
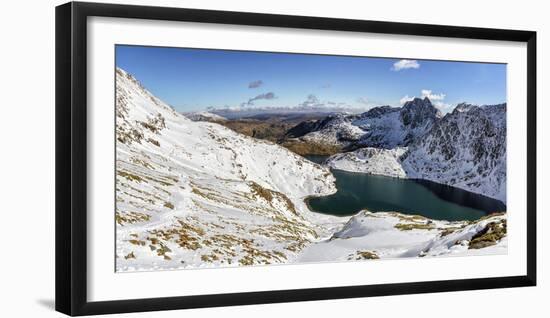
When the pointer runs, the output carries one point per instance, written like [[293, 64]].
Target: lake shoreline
[[458, 204]]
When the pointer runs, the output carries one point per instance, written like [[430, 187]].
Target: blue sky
[[195, 79]]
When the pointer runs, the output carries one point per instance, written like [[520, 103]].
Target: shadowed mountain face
[[418, 116], [466, 148], [418, 113]]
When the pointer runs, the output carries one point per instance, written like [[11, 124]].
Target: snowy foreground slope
[[465, 149], [370, 235], [196, 194], [192, 193]]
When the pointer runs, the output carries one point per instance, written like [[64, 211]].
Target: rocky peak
[[463, 107], [378, 111], [418, 112]]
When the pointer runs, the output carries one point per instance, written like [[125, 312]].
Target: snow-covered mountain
[[192, 193], [466, 149], [380, 127], [197, 194], [205, 116], [335, 129], [379, 161]]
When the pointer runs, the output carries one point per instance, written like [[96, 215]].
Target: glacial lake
[[357, 191]]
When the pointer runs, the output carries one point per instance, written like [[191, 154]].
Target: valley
[[277, 128]]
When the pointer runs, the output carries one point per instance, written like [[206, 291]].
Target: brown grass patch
[[131, 217], [309, 148], [490, 235], [362, 255], [414, 226]]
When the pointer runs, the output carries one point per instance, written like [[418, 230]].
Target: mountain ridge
[[466, 148], [381, 127]]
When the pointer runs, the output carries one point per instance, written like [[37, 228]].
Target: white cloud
[[436, 99], [405, 99], [433, 97], [363, 101], [405, 64], [312, 101], [443, 107]]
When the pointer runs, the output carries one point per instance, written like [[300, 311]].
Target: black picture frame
[[71, 157]]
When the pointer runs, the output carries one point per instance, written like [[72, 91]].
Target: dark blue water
[[357, 191]]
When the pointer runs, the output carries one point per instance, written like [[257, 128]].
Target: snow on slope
[[205, 116], [370, 160], [388, 127], [465, 149], [382, 235], [196, 194], [334, 129]]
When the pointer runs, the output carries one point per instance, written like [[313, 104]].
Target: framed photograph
[[209, 158]]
